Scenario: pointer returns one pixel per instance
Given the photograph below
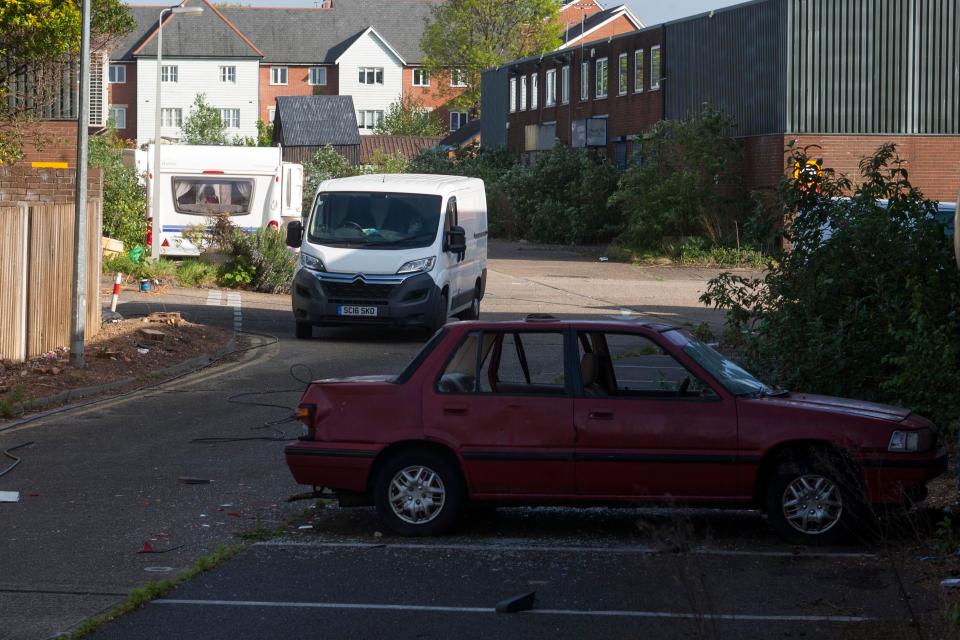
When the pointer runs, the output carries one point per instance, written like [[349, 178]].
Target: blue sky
[[650, 11]]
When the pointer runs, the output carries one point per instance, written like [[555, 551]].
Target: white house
[[372, 72], [201, 54]]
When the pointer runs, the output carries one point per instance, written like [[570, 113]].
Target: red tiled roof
[[409, 146]]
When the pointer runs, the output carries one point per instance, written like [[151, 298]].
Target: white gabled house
[[371, 71], [201, 54]]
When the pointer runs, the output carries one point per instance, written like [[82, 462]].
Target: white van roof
[[212, 159], [402, 183]]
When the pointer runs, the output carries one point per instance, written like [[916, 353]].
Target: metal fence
[[36, 277]]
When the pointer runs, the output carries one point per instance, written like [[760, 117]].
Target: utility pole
[[78, 322]]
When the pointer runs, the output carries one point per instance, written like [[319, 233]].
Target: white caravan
[[253, 185], [395, 249]]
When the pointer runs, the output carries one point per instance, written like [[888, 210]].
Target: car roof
[[401, 183], [545, 322]]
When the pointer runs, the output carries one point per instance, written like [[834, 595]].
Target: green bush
[[326, 164], [124, 197], [196, 273], [259, 260], [868, 310]]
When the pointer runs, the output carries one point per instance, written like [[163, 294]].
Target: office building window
[[513, 95], [584, 81], [638, 66], [523, 93], [623, 78], [655, 70], [534, 90], [565, 84], [602, 79], [550, 88]]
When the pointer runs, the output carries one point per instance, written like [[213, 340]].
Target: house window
[[638, 71], [534, 90], [550, 88], [228, 74], [278, 75], [565, 84], [118, 74], [171, 117], [523, 93], [584, 81], [513, 95], [654, 68], [318, 76], [421, 78], [271, 112], [458, 77], [458, 119], [369, 119], [119, 116], [168, 73], [601, 80], [371, 75], [230, 118], [622, 77]]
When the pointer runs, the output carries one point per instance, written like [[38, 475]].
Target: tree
[[124, 196], [264, 136], [408, 117], [37, 37], [474, 35], [203, 125]]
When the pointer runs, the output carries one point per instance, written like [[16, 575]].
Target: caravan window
[[209, 196]]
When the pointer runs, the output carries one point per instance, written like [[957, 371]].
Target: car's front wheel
[[808, 503], [418, 493]]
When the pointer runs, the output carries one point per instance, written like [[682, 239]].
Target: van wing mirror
[[456, 241], [294, 234]]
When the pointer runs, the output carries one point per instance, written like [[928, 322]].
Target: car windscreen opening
[[374, 220]]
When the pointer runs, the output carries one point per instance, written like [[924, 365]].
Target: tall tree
[[408, 117], [474, 35], [203, 125]]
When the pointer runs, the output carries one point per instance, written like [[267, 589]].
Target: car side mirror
[[456, 241], [294, 234]]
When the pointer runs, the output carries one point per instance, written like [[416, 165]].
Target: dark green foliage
[[259, 260], [124, 197], [203, 125], [406, 116], [867, 310]]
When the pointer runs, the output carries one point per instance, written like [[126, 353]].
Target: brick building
[[842, 77]]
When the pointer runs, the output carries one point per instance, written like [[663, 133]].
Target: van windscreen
[[210, 196], [374, 220]]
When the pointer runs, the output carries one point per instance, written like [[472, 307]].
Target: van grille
[[358, 292]]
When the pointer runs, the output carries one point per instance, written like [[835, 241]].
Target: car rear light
[[307, 413], [273, 224], [149, 231]]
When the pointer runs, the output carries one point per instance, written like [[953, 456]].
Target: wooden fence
[[36, 277]]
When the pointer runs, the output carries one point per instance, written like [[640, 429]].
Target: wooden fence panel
[[14, 229], [51, 276]]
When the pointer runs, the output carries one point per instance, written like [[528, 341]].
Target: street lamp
[[155, 206]]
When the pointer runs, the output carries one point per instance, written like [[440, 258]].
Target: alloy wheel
[[417, 494], [812, 504]]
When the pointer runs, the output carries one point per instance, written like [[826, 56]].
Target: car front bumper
[[402, 300], [902, 478]]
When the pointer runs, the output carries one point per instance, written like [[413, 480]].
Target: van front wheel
[[473, 311], [442, 313]]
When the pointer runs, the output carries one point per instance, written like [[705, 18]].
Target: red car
[[587, 412]]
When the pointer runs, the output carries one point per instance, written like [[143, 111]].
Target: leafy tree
[[264, 136], [474, 35], [36, 36], [124, 196], [408, 117], [865, 302], [686, 180], [203, 125], [326, 164]]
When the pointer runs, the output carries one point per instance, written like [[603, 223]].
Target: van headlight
[[415, 266], [910, 441], [310, 262]]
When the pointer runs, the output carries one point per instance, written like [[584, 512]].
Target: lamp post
[[78, 303], [155, 200]]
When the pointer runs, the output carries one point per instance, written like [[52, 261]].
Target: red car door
[[504, 401], [647, 426]]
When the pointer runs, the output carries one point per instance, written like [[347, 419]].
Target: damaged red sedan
[[544, 411]]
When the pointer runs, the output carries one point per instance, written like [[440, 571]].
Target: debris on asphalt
[[377, 534], [158, 569], [148, 548], [9, 496], [153, 335], [191, 480], [522, 602], [305, 526], [172, 318], [951, 583]]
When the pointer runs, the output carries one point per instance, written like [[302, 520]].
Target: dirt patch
[[130, 349]]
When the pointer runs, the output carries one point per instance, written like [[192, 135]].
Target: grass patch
[[195, 273], [153, 590], [694, 252], [10, 402], [260, 533]]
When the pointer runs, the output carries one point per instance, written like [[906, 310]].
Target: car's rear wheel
[[809, 503], [303, 331], [418, 493]]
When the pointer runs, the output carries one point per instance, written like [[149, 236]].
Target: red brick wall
[[763, 161], [298, 84], [22, 183], [614, 28], [573, 12], [51, 141], [126, 94], [933, 162], [436, 97]]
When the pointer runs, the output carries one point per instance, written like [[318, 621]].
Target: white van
[[251, 184], [397, 249]]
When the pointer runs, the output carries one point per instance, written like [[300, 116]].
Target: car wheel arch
[[788, 451], [406, 446]]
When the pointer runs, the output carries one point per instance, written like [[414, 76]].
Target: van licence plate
[[351, 310]]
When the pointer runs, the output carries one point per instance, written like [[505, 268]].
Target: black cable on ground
[[15, 459]]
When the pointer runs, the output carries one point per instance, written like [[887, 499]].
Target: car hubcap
[[812, 504], [417, 494]]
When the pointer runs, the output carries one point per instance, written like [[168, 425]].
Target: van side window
[[451, 220]]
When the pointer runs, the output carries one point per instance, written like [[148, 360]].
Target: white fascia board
[[371, 30]]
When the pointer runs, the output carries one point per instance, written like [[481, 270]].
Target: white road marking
[[233, 300], [632, 549], [543, 612], [214, 298]]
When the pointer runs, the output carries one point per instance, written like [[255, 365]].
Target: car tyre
[[473, 311], [443, 312], [303, 331], [419, 493], [814, 504]]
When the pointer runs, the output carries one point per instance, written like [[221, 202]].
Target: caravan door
[[291, 207]]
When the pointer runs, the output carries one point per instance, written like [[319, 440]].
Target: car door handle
[[455, 411], [601, 415]]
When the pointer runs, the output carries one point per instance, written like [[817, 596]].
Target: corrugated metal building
[[843, 75]]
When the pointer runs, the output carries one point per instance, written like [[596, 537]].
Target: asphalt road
[[102, 480]]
